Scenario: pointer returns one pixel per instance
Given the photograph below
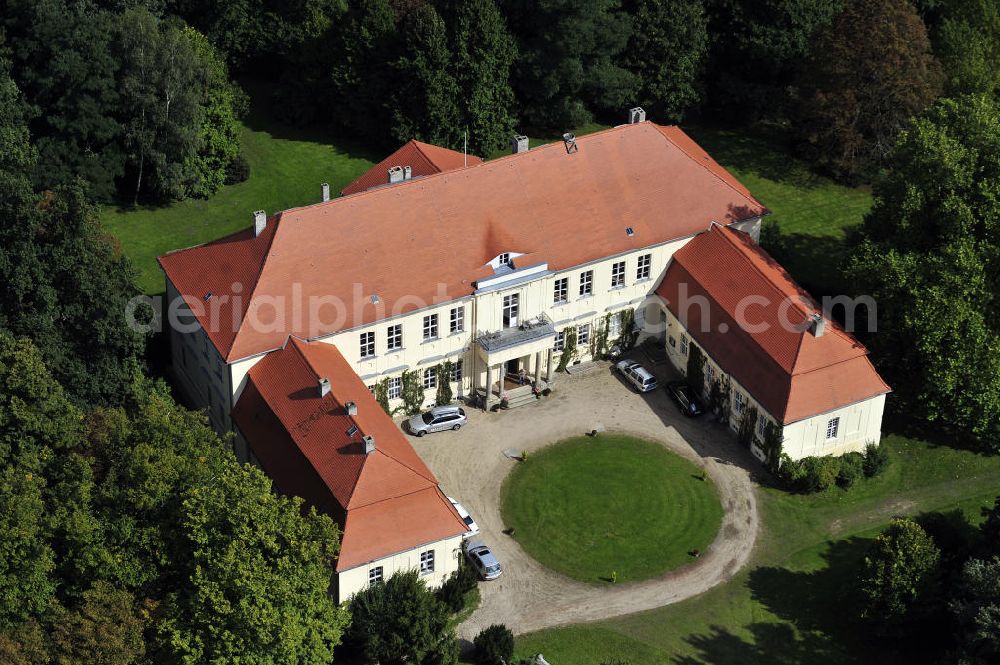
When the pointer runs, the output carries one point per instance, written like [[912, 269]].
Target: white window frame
[[430, 378], [583, 334], [457, 320], [615, 325], [375, 575], [709, 376], [644, 266], [833, 428], [586, 283], [560, 342], [510, 311], [367, 344], [427, 562], [739, 403], [456, 371], [430, 327], [761, 424], [684, 345], [560, 291], [394, 389], [394, 337], [504, 259], [617, 274]]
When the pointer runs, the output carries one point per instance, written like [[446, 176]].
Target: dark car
[[685, 398]]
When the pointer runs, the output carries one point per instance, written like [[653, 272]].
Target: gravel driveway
[[471, 467]]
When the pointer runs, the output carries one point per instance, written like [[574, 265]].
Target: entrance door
[[513, 366]]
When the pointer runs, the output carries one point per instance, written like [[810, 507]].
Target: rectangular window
[[560, 291], [586, 283], [457, 320], [684, 345], [504, 259], [832, 427], [395, 387], [739, 403], [709, 376], [583, 335], [761, 425], [618, 274], [511, 307], [672, 341], [374, 575], [427, 562], [615, 325], [394, 337], [456, 371], [645, 261], [367, 344], [431, 326], [430, 378], [560, 341]]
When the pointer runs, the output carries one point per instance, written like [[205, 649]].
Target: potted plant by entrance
[[504, 401]]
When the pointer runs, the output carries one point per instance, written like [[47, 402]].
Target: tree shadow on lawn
[[813, 261], [818, 610], [763, 150]]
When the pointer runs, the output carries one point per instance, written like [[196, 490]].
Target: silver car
[[637, 375], [437, 419], [482, 560]]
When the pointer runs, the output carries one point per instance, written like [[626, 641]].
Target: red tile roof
[[386, 501], [422, 158], [402, 242], [792, 373]]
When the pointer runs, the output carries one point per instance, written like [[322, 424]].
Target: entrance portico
[[515, 357]]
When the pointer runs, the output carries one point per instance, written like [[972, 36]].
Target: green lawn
[[795, 603], [810, 213], [287, 167], [588, 506]]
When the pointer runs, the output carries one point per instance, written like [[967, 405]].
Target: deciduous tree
[[898, 571], [667, 51], [929, 254], [868, 73]]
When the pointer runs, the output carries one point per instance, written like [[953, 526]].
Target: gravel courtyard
[[471, 467]]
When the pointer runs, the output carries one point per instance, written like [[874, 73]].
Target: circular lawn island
[[610, 508]]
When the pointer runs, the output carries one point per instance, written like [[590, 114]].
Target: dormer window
[[504, 259]]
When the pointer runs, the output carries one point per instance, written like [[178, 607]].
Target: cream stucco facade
[[446, 556], [846, 429]]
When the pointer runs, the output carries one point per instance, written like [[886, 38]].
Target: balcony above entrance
[[536, 332]]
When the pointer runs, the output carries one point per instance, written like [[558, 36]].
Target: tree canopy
[[869, 72], [928, 253]]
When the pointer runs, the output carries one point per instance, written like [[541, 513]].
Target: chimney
[[636, 115], [259, 222], [570, 140], [407, 173], [817, 325], [395, 175], [351, 408], [518, 144], [325, 187], [324, 387], [369, 444]]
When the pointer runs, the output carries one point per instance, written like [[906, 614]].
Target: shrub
[[238, 170], [494, 645], [792, 473], [851, 468], [820, 473], [876, 459], [452, 593]]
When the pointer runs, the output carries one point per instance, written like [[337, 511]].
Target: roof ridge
[[394, 497], [256, 283], [728, 184]]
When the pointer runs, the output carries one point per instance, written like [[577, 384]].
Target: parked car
[[467, 518], [437, 419], [482, 560], [637, 375], [685, 398]]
